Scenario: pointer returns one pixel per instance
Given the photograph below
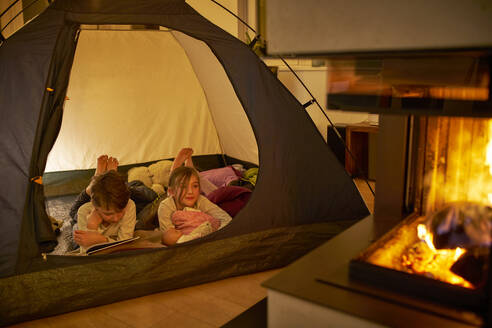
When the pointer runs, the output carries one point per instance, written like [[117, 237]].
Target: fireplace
[[434, 177], [432, 152]]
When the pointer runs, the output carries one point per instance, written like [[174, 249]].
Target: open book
[[94, 249]]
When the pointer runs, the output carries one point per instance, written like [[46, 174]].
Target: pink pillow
[[187, 221], [221, 176]]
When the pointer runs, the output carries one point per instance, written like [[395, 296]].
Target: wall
[[218, 15]]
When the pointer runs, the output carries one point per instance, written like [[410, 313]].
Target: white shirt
[[123, 229]]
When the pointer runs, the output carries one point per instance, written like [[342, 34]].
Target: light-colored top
[[167, 207], [123, 229]]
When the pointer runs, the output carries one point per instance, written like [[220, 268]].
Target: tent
[[234, 109]]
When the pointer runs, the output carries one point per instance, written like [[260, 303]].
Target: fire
[[434, 262], [458, 163], [409, 248], [488, 157]]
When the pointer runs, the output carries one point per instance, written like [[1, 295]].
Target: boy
[[109, 216]]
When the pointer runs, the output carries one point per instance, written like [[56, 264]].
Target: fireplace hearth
[[401, 262]]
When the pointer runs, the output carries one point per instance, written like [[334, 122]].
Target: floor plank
[[207, 305], [366, 193]]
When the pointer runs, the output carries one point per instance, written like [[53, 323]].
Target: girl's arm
[[166, 209], [213, 210]]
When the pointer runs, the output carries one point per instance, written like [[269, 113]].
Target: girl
[[186, 212]]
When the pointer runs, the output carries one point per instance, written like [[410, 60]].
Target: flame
[[440, 260], [458, 162], [488, 158], [425, 236]]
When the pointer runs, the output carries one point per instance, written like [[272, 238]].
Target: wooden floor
[[366, 193], [207, 305]]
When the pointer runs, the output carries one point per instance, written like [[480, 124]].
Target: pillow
[[187, 221], [160, 172], [230, 198], [141, 173], [221, 176]]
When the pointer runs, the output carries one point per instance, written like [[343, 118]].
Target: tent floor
[[59, 208]]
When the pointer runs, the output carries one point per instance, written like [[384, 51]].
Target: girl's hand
[[171, 236], [88, 238], [93, 220]]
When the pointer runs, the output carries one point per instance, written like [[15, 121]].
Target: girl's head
[[184, 186], [110, 196]]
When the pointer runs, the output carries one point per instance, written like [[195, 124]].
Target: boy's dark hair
[[180, 176], [109, 191]]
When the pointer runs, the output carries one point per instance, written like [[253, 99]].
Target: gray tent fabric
[[24, 67], [300, 181]]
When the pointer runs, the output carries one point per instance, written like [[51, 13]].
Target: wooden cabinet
[[357, 155]]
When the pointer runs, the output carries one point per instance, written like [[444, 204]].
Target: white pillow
[[160, 172], [141, 173]]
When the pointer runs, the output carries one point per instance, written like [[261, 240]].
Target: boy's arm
[[83, 236], [81, 199], [129, 220], [93, 220]]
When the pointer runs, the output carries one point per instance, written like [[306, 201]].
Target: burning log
[[467, 226], [473, 268], [461, 224]]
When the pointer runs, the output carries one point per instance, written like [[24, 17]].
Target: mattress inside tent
[[62, 188]]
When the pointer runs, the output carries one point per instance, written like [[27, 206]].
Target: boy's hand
[[93, 220], [88, 238]]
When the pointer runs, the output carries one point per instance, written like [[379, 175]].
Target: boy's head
[[110, 195], [184, 185]]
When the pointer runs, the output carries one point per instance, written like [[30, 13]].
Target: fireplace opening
[[441, 250]]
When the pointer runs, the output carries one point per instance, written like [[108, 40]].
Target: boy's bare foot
[[102, 163], [112, 164]]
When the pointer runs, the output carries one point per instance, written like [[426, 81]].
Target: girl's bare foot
[[102, 163], [112, 164], [188, 161], [183, 156]]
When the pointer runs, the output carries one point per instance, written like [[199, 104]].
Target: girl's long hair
[[181, 177]]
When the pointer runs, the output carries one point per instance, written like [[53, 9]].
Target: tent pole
[[17, 15], [10, 6], [313, 99]]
